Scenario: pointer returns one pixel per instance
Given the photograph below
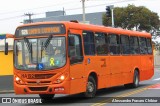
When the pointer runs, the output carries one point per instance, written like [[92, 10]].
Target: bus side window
[[143, 45], [134, 46], [89, 45], [101, 43], [75, 49], [125, 44], [149, 46], [114, 44]]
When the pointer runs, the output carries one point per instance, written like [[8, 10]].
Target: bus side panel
[[150, 66], [127, 69], [103, 71], [144, 67], [147, 70], [99, 66], [116, 71], [78, 79], [136, 63]]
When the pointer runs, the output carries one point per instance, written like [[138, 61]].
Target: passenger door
[[77, 72]]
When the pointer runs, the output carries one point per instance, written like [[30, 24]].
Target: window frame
[[150, 46], [121, 45], [117, 45], [81, 49], [106, 43], [94, 44], [137, 53], [146, 51]]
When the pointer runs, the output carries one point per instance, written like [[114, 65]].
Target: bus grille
[[40, 82], [38, 88], [41, 76]]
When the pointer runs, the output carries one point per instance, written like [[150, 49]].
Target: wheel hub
[[90, 87]]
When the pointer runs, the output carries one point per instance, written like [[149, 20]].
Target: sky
[[12, 11]]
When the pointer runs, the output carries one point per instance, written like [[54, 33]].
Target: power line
[[3, 13], [72, 9], [92, 6], [8, 18]]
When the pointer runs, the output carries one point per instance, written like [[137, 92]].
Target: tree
[[131, 16]]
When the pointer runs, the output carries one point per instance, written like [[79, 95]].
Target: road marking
[[6, 91], [119, 96], [104, 102], [157, 86], [156, 79]]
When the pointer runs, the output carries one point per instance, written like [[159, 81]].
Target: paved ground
[[6, 83]]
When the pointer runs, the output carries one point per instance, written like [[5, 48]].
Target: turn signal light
[[61, 78], [18, 80]]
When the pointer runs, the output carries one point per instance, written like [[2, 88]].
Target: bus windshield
[[40, 53]]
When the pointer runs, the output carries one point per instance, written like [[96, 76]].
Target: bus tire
[[90, 88], [46, 96], [135, 83]]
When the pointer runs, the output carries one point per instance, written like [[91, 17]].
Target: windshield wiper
[[47, 42], [28, 44], [29, 47], [44, 46]]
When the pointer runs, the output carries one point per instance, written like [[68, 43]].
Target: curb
[[6, 91]]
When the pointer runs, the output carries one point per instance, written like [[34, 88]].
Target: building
[[6, 61], [91, 18]]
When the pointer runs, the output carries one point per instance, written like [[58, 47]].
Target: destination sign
[[40, 30]]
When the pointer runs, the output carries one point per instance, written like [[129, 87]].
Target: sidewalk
[[6, 91], [6, 84]]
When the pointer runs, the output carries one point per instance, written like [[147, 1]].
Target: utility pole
[[83, 9], [63, 11], [29, 15], [112, 6]]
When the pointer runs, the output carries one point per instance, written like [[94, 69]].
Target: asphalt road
[[148, 90]]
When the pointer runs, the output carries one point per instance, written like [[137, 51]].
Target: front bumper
[[62, 88]]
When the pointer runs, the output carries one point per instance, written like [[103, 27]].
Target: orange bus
[[69, 58]]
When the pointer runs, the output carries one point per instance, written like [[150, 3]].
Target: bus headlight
[[61, 78], [18, 80]]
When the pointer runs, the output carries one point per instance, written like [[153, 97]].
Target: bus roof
[[95, 28]]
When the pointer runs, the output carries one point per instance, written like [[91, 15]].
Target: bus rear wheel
[[135, 83], [46, 96], [90, 88]]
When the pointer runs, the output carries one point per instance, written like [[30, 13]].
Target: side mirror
[[6, 48]]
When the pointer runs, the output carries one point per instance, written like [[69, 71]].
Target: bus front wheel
[[90, 88], [46, 96]]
